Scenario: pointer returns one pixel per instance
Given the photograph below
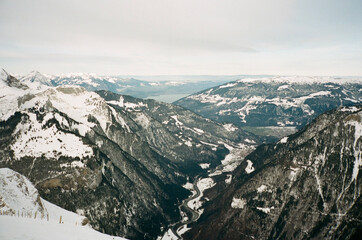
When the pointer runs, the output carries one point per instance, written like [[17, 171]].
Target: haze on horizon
[[168, 37]]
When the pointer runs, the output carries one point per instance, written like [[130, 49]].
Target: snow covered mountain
[[306, 186], [37, 77], [25, 215], [274, 106], [163, 89], [119, 160], [181, 135]]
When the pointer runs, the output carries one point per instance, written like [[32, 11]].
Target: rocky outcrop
[[306, 186]]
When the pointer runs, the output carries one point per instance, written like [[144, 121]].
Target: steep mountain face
[[306, 186], [18, 194], [25, 215], [120, 162], [181, 135], [275, 106]]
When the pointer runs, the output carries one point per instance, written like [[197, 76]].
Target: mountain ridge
[[268, 106]]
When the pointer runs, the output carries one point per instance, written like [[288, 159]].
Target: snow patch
[[263, 188], [349, 109], [283, 87], [228, 85], [238, 203], [205, 183], [249, 168], [204, 165], [284, 140], [265, 210], [35, 141], [142, 120], [199, 130], [214, 146], [178, 123], [228, 179], [74, 164], [181, 230], [229, 127], [188, 143], [293, 173], [233, 159], [169, 235], [357, 150], [128, 105], [188, 186], [215, 173]]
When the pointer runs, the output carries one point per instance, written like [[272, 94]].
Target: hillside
[[306, 186], [274, 106]]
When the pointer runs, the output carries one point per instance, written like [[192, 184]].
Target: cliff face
[[121, 165], [306, 186]]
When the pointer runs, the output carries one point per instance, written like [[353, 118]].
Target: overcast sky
[[152, 37]]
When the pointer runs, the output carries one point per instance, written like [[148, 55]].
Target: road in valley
[[194, 214]]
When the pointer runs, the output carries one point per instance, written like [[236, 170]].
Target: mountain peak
[[80, 75], [36, 76], [11, 81], [3, 75]]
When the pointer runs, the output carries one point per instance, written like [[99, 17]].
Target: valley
[[144, 169], [180, 120], [119, 160]]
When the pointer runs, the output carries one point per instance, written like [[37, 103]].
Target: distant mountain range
[[163, 88], [274, 106]]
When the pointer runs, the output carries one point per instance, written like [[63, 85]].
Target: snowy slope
[[14, 228], [37, 77], [34, 138], [25, 215]]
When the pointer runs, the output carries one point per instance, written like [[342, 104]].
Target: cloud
[[153, 37]]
